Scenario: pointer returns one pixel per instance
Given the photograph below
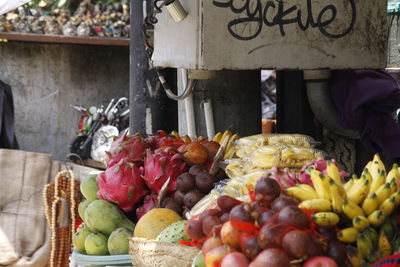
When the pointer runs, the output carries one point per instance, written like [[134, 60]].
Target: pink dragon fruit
[[284, 177], [320, 165], [162, 165], [127, 147], [150, 202], [122, 184]]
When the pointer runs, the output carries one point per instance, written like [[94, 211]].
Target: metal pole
[[150, 109]]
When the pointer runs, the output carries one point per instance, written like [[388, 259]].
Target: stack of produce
[[162, 170], [106, 229], [161, 224], [271, 230], [363, 209], [262, 152], [245, 172]]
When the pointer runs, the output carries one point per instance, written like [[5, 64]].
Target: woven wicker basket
[[153, 253]]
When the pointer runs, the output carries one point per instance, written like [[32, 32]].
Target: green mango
[[118, 242], [79, 237], [89, 187], [82, 207], [96, 244], [128, 224], [103, 217]]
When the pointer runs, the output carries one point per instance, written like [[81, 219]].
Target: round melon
[[154, 222]]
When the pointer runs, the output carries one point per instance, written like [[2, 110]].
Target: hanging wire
[[148, 25]]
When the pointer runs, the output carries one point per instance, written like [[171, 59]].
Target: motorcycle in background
[[97, 129]]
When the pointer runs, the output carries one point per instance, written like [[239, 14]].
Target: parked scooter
[[116, 114]]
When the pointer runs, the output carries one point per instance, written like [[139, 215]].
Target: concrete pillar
[[236, 101], [150, 109]]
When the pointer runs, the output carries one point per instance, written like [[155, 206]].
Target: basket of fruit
[[155, 241], [146, 252]]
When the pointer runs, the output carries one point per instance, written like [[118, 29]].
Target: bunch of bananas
[[227, 139], [360, 205]]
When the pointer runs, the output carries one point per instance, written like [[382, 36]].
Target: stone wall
[[46, 79]]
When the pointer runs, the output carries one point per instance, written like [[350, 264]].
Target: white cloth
[[7, 5]]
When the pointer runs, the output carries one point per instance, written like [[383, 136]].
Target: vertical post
[[236, 103], [150, 109]]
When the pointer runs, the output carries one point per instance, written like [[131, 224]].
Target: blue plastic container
[[112, 260]]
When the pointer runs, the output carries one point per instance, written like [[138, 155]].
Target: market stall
[[272, 200]]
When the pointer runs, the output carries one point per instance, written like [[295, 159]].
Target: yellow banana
[[358, 192], [370, 204], [176, 134], [384, 246], [325, 218], [393, 174], [354, 256], [348, 235], [300, 193], [186, 139], [377, 167], [364, 245], [377, 182], [366, 175], [388, 206], [393, 187], [338, 194], [318, 204], [360, 223], [349, 184], [319, 184], [396, 196], [307, 188], [376, 218], [351, 210], [202, 138], [333, 172], [229, 153], [231, 140], [383, 192], [217, 137], [325, 183], [368, 166], [225, 138]]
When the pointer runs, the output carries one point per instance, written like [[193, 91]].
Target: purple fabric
[[366, 100]]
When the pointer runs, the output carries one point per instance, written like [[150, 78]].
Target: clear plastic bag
[[247, 145], [292, 139], [284, 156], [237, 167]]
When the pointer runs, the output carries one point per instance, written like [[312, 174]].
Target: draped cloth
[[7, 135], [366, 101], [24, 234]]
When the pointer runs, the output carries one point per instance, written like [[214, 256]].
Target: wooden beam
[[62, 39]]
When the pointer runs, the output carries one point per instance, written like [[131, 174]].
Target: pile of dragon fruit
[[140, 169]]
